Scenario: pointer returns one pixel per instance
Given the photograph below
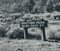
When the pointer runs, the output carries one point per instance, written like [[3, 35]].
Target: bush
[[57, 36], [32, 36], [51, 34], [15, 33], [50, 8], [2, 32], [57, 8], [54, 34], [34, 33]]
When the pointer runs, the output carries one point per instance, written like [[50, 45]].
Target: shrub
[[16, 33], [32, 36], [50, 8], [34, 33], [54, 34], [2, 32], [19, 49], [57, 36], [57, 8], [51, 34]]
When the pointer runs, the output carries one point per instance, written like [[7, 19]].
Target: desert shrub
[[32, 36], [2, 32], [16, 33], [57, 36], [34, 33], [54, 34], [19, 49], [51, 34]]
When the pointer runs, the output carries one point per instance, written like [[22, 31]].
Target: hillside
[[12, 6], [13, 11]]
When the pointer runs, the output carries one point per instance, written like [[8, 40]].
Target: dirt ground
[[28, 45]]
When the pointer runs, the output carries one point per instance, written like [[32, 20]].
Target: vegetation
[[2, 32], [23, 7], [57, 8], [28, 6], [16, 33]]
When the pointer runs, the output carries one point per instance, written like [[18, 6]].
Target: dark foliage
[[57, 8], [2, 32], [50, 8], [17, 33], [31, 36], [27, 6]]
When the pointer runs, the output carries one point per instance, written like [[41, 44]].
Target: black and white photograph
[[29, 25]]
